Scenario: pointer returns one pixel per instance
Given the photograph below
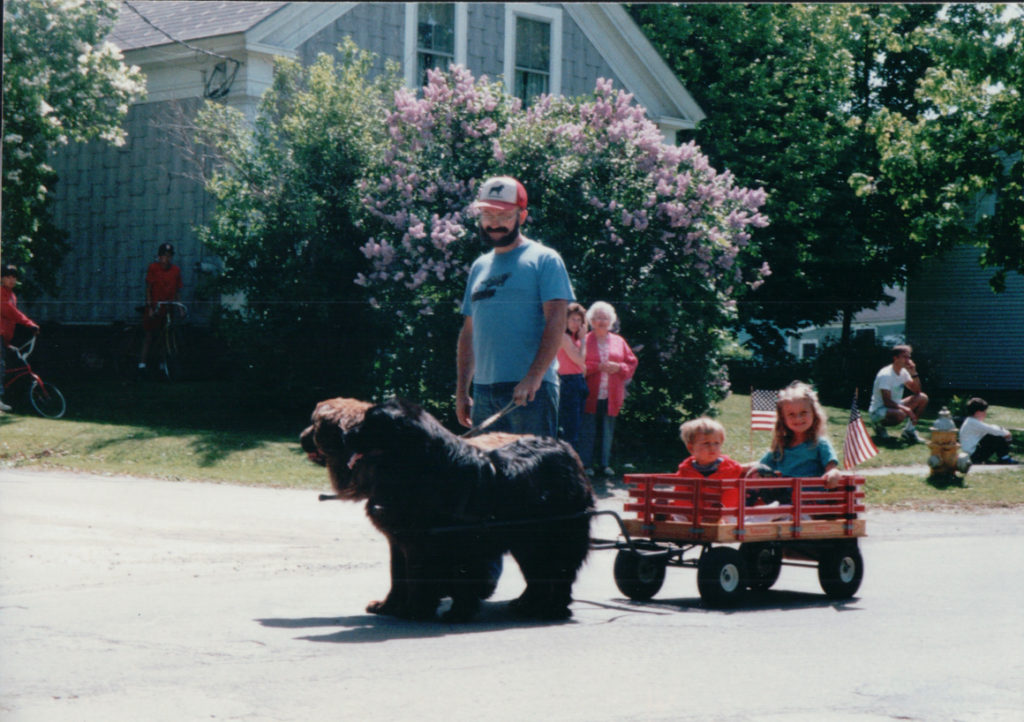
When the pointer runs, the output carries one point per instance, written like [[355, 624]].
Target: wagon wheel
[[637, 576], [840, 571], [720, 577], [763, 561]]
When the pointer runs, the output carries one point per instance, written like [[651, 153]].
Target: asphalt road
[[133, 599]]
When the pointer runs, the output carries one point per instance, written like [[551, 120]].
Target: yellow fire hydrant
[[946, 456]]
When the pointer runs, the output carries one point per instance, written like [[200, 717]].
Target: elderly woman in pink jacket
[[610, 364]]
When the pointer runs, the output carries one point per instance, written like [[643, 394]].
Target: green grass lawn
[[199, 431]]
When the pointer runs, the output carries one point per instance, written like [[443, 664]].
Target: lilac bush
[[650, 227]]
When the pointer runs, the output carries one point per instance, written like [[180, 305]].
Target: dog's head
[[324, 439], [390, 427]]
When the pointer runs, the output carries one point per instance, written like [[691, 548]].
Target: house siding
[[118, 204], [973, 336], [380, 28], [376, 27]]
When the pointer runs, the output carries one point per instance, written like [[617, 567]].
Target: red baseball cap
[[501, 193]]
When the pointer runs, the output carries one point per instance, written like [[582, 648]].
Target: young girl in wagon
[[800, 445]]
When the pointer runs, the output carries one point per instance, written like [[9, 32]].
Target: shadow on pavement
[[366, 628]]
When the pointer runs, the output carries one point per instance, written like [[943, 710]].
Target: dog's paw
[[383, 607], [529, 608], [463, 609]]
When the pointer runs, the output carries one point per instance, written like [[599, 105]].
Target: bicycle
[[168, 346], [46, 399]]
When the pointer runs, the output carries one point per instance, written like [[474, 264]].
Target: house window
[[435, 37], [533, 50], [533, 59], [808, 350]]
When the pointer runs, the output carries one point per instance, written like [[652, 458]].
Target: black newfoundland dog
[[450, 507]]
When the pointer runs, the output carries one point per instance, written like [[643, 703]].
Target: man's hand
[[464, 409], [526, 390]]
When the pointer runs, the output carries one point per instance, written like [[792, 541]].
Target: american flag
[[762, 409], [857, 447]]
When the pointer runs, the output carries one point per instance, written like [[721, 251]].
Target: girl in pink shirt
[[572, 393]]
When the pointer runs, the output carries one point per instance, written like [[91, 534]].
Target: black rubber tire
[[170, 365], [763, 562], [47, 400], [840, 571], [637, 576], [720, 577]]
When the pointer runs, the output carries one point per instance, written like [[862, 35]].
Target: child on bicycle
[[163, 281], [10, 319]]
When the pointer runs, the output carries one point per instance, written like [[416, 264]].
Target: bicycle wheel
[[170, 365], [47, 400]]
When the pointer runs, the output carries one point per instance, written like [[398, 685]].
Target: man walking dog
[[514, 312]]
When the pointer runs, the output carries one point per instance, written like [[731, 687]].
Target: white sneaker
[[912, 437], [5, 407]]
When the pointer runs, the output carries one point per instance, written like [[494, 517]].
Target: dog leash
[[490, 420]]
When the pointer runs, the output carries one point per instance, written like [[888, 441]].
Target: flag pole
[[750, 427]]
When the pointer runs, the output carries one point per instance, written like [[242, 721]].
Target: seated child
[[981, 441], [800, 445], [704, 438]]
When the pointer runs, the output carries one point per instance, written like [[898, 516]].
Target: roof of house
[[186, 20], [281, 27]]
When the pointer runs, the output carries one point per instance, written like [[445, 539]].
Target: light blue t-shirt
[[807, 459], [505, 294]]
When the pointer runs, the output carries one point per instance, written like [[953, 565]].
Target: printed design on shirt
[[489, 287]]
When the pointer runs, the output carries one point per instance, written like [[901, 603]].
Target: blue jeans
[[597, 429], [539, 417], [572, 395]]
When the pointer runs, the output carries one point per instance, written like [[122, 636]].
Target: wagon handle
[[598, 544]]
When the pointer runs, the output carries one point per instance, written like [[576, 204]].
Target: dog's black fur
[[450, 507]]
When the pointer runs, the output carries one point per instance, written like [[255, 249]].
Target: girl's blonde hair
[[703, 425], [783, 437]]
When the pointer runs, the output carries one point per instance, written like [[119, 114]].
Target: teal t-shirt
[[807, 459], [504, 295]]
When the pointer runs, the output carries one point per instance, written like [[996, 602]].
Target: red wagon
[[738, 533]]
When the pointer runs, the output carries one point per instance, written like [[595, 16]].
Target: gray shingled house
[[119, 204]]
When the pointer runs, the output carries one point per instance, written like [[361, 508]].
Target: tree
[[839, 110], [649, 227], [284, 222], [62, 83], [963, 139], [348, 199]]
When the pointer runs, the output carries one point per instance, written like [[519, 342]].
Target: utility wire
[[225, 85]]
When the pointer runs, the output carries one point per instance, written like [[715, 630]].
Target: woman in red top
[[610, 364], [10, 318], [572, 391]]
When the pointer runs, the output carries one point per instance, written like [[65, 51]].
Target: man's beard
[[502, 241]]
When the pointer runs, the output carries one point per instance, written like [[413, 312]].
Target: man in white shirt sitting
[[889, 406]]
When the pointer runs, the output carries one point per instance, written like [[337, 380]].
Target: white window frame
[[533, 11], [411, 63]]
